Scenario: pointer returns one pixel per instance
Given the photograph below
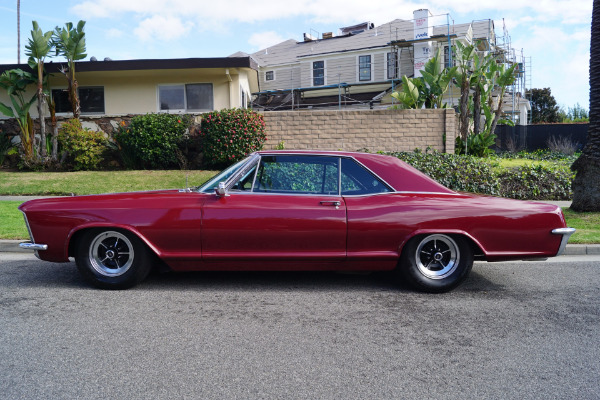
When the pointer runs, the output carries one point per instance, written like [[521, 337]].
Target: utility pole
[[18, 31]]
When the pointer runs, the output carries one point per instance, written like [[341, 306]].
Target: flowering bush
[[153, 140], [229, 135], [83, 146]]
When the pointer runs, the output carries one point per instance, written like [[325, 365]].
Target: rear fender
[[457, 232]]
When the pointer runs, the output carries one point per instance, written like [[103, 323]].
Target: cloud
[[573, 11], [262, 40], [114, 33], [162, 28]]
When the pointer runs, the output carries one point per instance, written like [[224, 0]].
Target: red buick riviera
[[296, 210]]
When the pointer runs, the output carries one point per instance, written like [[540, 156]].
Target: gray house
[[361, 65]]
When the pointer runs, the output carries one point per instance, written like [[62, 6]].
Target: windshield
[[211, 185]]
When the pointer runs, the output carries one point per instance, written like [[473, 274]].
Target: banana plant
[[436, 81], [15, 81], [504, 78], [69, 42], [411, 95], [428, 90], [37, 49]]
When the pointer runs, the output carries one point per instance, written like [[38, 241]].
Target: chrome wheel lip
[[437, 256], [103, 244]]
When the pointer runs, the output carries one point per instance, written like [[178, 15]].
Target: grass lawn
[[506, 163], [13, 224], [93, 182], [587, 224]]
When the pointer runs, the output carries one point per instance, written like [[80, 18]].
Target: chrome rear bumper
[[566, 234]]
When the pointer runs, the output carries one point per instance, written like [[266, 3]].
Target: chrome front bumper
[[33, 246], [566, 234]]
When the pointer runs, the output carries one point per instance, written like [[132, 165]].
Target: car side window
[[245, 181], [298, 174], [357, 180]]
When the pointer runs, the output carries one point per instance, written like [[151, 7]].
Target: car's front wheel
[[111, 259], [436, 263]]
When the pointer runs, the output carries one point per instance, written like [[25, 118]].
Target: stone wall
[[386, 130]]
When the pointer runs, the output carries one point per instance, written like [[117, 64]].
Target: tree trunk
[[54, 156], [586, 185], [498, 111], [464, 108], [41, 102], [477, 109]]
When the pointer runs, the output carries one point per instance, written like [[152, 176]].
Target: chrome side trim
[[566, 234], [33, 246]]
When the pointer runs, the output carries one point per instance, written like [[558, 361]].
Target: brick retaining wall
[[386, 130]]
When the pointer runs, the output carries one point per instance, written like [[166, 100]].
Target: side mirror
[[220, 190]]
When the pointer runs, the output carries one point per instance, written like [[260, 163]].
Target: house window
[[364, 68], [190, 97], [243, 98], [318, 73], [446, 57], [269, 76], [392, 65], [91, 100]]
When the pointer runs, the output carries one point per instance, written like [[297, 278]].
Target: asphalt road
[[512, 331]]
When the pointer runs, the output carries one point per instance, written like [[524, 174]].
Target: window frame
[[185, 99], [65, 89], [396, 65], [312, 73], [272, 72], [360, 68]]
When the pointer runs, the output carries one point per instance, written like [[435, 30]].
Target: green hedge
[[471, 174], [153, 141]]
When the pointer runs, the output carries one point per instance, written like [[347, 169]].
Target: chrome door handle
[[331, 203]]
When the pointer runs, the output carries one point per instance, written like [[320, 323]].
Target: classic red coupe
[[296, 210]]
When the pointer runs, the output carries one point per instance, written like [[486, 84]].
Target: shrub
[[83, 146], [456, 172], [471, 174], [537, 182], [5, 146], [477, 145], [230, 135], [152, 140]]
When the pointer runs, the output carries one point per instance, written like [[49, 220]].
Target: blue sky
[[554, 33]]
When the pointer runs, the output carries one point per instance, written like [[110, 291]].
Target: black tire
[[112, 259], [436, 263]]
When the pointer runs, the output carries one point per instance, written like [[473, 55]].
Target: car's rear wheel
[[436, 263], [111, 259]]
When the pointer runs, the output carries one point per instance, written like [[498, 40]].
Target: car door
[[285, 208]]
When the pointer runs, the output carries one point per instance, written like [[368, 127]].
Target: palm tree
[[70, 43], [38, 48], [586, 185]]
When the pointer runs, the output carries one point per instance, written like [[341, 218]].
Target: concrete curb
[[12, 246]]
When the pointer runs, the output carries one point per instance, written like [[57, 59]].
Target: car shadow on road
[[65, 275], [274, 281]]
